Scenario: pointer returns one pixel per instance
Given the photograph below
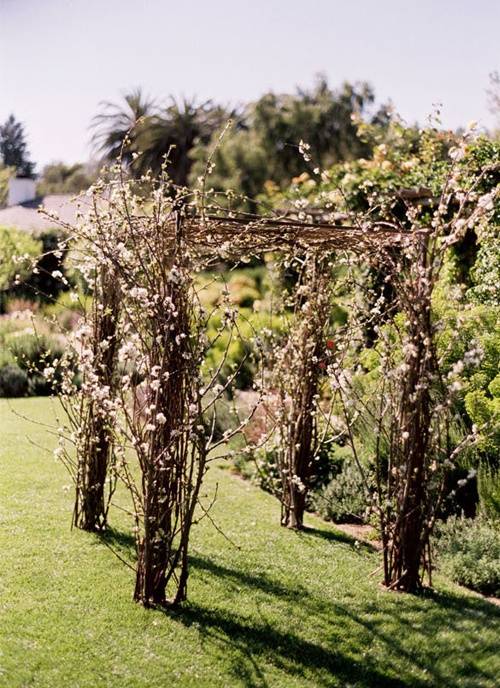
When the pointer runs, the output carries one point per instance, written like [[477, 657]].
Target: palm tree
[[117, 121], [155, 135], [172, 133]]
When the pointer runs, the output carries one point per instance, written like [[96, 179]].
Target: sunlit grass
[[280, 609]]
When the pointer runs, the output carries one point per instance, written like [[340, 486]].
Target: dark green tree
[[13, 147]]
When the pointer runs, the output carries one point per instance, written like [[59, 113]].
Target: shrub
[[13, 381], [5, 174], [32, 351], [483, 408], [238, 354], [343, 498], [49, 279], [10, 325], [13, 245], [59, 178], [33, 354], [469, 552], [262, 467]]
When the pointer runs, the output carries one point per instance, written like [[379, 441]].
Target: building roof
[[26, 216]]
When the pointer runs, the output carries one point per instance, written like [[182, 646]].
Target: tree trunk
[[294, 508], [299, 370], [409, 538], [96, 454], [91, 507]]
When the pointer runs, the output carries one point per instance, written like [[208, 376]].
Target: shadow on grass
[[383, 641], [260, 581], [337, 536], [285, 650], [411, 635], [120, 542]]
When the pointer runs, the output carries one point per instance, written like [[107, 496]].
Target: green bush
[[263, 469], [13, 381], [5, 174], [50, 278], [59, 178], [261, 466], [6, 358], [239, 354], [483, 408], [469, 552], [13, 245], [9, 325], [33, 351], [343, 498], [33, 354]]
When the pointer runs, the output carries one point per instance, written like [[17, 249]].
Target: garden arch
[[173, 451]]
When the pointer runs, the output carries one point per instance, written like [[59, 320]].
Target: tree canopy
[[58, 177], [262, 146]]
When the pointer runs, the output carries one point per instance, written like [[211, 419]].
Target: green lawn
[[283, 609]]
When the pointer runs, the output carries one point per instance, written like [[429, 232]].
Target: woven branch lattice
[[231, 236]]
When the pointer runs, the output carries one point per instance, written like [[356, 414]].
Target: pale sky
[[60, 58]]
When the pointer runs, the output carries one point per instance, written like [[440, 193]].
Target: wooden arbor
[[171, 478], [297, 373], [238, 235], [180, 236], [152, 258]]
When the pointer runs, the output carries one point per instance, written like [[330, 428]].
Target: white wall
[[20, 190]]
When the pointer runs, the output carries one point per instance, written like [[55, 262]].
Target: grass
[[283, 609]]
